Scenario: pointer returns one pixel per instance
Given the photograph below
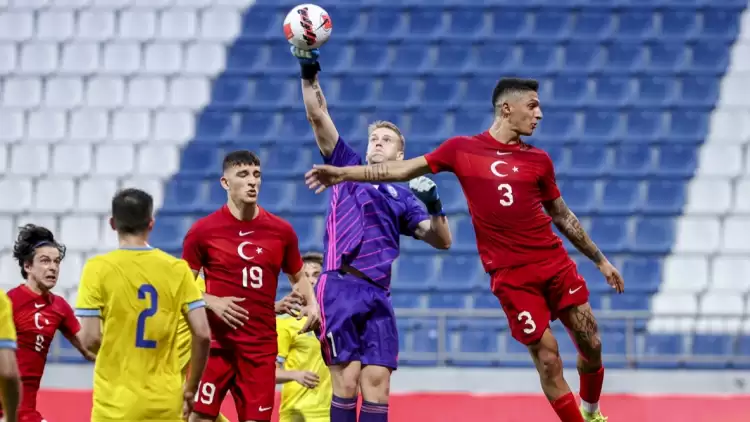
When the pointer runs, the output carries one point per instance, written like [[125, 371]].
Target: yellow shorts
[[300, 417]]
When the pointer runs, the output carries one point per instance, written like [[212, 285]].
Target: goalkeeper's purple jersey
[[364, 221]]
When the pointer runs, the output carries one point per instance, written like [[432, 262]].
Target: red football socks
[[591, 389], [567, 408]]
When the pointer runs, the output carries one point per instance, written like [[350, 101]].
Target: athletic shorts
[[533, 295], [251, 380], [357, 321]]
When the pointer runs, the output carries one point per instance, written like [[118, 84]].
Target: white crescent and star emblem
[[496, 172], [241, 251]]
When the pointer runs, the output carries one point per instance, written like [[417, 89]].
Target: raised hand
[[322, 176]]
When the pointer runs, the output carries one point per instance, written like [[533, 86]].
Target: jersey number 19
[[146, 292]]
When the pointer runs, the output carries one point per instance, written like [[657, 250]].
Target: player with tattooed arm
[[363, 224], [508, 185]]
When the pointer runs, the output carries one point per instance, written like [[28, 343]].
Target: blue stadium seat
[[588, 160], [466, 25], [579, 195], [717, 347], [621, 197], [643, 275], [229, 91], [460, 274], [593, 26], [662, 351], [464, 239], [677, 160], [679, 25], [214, 126], [309, 232], [611, 234], [654, 235], [257, 126], [635, 25], [414, 273], [168, 232], [632, 161], [438, 300], [665, 197]]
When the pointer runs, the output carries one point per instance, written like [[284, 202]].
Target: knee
[[346, 385], [376, 384], [550, 363]]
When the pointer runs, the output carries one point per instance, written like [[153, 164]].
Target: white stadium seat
[[15, 194], [131, 126], [29, 160], [742, 196], [698, 234], [178, 24], [9, 271], [152, 185], [80, 58], [731, 274], [725, 160], [717, 189], [138, 24], [72, 160], [146, 92], [88, 126], [13, 123], [121, 58], [685, 274], [96, 25], [736, 238], [729, 127], [7, 232], [46, 126], [219, 24], [673, 313], [174, 127], [16, 26], [105, 91], [94, 194], [63, 92], [158, 160], [55, 25], [70, 270], [39, 58], [189, 92], [8, 58], [55, 195], [22, 92], [205, 58], [114, 160], [162, 59], [80, 232], [720, 312]]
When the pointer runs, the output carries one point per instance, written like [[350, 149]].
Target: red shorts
[[533, 295], [27, 407], [251, 380]]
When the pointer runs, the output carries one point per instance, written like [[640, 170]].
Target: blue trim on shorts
[[7, 344]]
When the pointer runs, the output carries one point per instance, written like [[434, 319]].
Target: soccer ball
[[307, 26]]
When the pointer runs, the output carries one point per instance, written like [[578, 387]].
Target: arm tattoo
[[376, 172], [318, 94], [569, 225]]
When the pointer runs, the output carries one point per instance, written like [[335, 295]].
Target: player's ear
[[224, 183], [151, 224], [112, 224], [400, 155]]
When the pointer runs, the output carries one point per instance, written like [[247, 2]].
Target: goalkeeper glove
[[308, 62], [426, 190]]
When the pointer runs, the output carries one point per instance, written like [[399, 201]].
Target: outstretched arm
[[571, 228], [316, 108], [323, 176]]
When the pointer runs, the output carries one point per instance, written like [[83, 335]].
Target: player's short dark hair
[[30, 238], [240, 158], [512, 85], [132, 211], [313, 258]]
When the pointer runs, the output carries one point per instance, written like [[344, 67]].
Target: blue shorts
[[357, 321]]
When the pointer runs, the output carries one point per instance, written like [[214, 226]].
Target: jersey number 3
[[146, 292]]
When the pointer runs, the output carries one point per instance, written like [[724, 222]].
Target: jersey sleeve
[[343, 155], [548, 181], [191, 297], [192, 251], [90, 302], [285, 339], [414, 214], [443, 158], [292, 262], [70, 325], [7, 328]]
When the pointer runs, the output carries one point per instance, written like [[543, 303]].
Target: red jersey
[[243, 259], [504, 186], [37, 318]]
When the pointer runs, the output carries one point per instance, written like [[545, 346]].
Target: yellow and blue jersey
[[301, 352], [7, 328], [184, 336], [141, 295]]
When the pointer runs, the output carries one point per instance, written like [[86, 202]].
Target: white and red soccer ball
[[307, 26]]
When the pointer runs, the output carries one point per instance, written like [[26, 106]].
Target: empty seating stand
[[96, 95]]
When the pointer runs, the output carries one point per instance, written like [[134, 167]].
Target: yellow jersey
[[301, 352], [7, 328], [184, 336], [141, 295]]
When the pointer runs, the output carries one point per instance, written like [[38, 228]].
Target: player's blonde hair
[[377, 124]]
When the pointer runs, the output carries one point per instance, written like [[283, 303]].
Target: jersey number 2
[[146, 292]]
